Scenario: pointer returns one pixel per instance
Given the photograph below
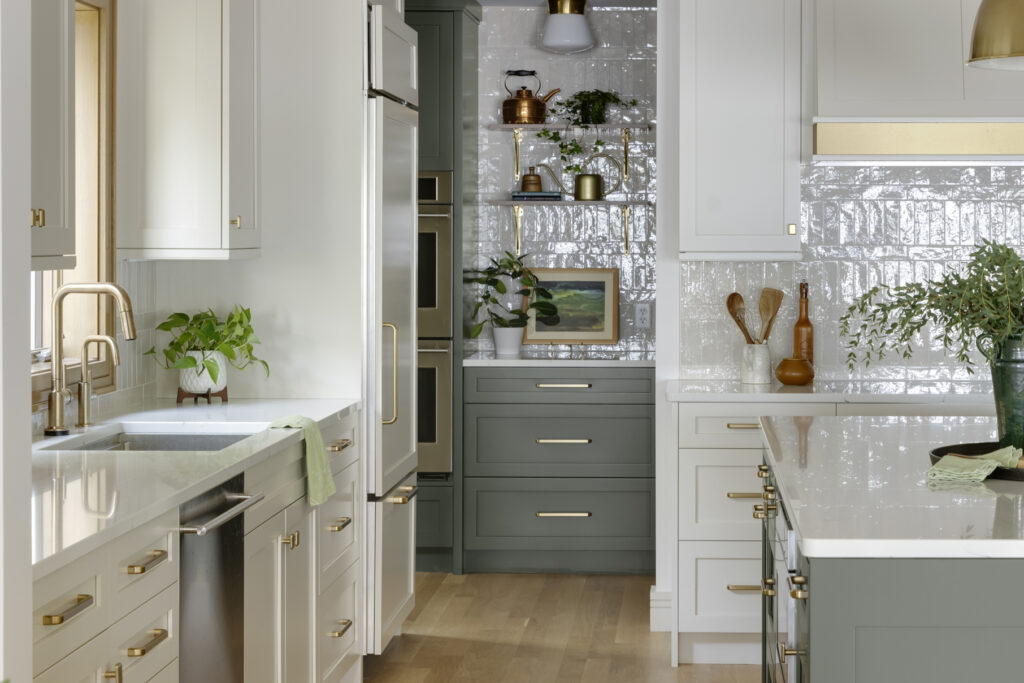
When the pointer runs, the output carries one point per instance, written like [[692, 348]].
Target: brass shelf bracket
[[517, 135], [627, 213], [626, 137], [517, 214]]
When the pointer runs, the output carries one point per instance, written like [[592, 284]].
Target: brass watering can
[[524, 106], [588, 187]]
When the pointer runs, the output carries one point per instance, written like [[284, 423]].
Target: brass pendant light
[[998, 40], [566, 30]]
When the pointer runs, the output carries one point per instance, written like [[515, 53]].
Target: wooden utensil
[[768, 307], [737, 309]]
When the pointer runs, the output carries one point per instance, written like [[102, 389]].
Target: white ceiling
[[590, 3]]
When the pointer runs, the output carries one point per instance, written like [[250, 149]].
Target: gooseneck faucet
[[55, 400]]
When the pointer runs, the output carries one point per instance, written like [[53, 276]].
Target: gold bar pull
[[768, 588], [544, 385], [291, 540], [564, 441], [116, 674], [565, 514], [798, 588], [517, 214], [626, 213], [339, 445], [42, 218], [159, 635], [394, 374], [734, 494], [409, 491], [784, 652], [345, 624], [340, 524], [236, 222], [740, 588], [517, 135], [155, 558], [82, 603], [791, 229], [742, 425], [762, 511], [626, 137]]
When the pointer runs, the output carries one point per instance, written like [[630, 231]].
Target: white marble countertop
[[832, 391], [74, 510], [482, 359], [855, 487]]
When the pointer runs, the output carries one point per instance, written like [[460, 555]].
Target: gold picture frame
[[588, 306]]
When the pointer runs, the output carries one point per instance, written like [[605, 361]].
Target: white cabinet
[[187, 129], [53, 134], [394, 562], [906, 58], [740, 130]]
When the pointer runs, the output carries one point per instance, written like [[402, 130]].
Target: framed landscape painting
[[588, 306]]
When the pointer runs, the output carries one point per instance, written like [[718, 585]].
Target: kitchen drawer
[[434, 516], [735, 425], [559, 514], [717, 491], [281, 478], [336, 527], [153, 629], [337, 627], [502, 440], [169, 674], [558, 385], [84, 665], [340, 440], [706, 571], [83, 581], [144, 562]]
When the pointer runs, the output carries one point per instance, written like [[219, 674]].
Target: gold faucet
[[85, 385], [55, 400]]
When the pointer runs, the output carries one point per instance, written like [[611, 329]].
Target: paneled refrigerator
[[390, 323]]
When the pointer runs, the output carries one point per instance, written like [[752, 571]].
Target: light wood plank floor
[[535, 628]]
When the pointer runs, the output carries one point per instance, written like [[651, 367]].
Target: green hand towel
[[960, 469], [319, 481]]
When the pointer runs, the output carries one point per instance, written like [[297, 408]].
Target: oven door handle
[[434, 351], [446, 214]]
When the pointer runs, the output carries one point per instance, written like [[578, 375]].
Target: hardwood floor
[[535, 628]]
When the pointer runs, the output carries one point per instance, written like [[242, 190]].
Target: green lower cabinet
[[434, 527]]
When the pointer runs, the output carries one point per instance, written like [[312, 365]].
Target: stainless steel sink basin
[[140, 441]]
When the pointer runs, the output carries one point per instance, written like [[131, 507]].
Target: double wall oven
[[434, 322]]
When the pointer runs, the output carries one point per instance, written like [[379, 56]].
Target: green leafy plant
[[983, 298], [582, 109], [512, 268], [205, 332]]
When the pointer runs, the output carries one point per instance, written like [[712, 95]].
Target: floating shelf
[[566, 202], [637, 125], [625, 205]]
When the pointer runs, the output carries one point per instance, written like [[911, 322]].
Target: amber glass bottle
[[803, 331]]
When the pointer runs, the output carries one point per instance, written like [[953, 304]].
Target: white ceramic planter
[[190, 380], [508, 341]]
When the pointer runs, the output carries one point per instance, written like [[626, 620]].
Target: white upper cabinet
[[740, 129], [906, 58], [188, 129], [53, 135]]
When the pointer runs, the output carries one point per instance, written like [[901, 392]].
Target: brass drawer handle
[[784, 652], [768, 588], [82, 603], [798, 588], [742, 425], [741, 588], [159, 635], [565, 514], [548, 385], [345, 624], [291, 540], [155, 558], [236, 222], [116, 674], [734, 494], [339, 445], [565, 441], [408, 491], [763, 511], [340, 524]]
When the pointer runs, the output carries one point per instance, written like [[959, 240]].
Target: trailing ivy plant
[[983, 298], [512, 268], [582, 109], [205, 332]]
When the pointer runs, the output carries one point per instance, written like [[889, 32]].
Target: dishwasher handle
[[245, 503]]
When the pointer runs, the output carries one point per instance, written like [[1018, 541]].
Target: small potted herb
[[507, 322], [202, 346]]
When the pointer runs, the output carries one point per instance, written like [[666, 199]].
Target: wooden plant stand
[[182, 395]]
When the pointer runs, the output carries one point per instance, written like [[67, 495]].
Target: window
[[84, 315]]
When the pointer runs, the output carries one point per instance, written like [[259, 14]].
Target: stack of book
[[519, 196]]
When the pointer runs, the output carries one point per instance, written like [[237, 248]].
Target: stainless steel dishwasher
[[212, 584]]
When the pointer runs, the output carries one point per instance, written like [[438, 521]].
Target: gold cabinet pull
[[291, 540], [742, 425], [394, 374], [785, 652], [768, 588], [38, 218], [548, 385], [564, 441], [157, 636], [741, 588], [155, 558], [116, 674], [735, 494], [763, 468], [42, 218], [763, 511], [236, 222], [82, 603], [763, 471], [791, 228], [340, 524], [565, 514], [798, 587], [339, 445], [409, 493], [345, 624]]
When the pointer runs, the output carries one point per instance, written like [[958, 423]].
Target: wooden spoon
[[738, 311], [768, 307]]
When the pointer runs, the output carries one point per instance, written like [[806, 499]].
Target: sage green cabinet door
[[434, 516], [436, 61]]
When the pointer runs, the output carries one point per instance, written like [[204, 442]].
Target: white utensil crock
[[757, 364]]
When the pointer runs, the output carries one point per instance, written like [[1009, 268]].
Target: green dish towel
[[964, 469], [319, 481]]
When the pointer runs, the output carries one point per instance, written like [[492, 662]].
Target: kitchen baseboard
[[661, 610], [719, 648]]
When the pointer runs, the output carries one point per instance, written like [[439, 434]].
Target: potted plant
[[507, 323], [582, 109], [979, 305], [202, 346]]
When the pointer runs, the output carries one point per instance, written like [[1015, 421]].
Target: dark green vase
[[1007, 360]]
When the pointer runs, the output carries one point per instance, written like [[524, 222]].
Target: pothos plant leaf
[[205, 333]]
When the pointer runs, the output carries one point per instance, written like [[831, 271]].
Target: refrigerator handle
[[394, 374]]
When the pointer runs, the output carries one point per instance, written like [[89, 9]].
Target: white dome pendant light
[[566, 30], [998, 40]]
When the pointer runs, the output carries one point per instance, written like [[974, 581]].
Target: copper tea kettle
[[524, 106]]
